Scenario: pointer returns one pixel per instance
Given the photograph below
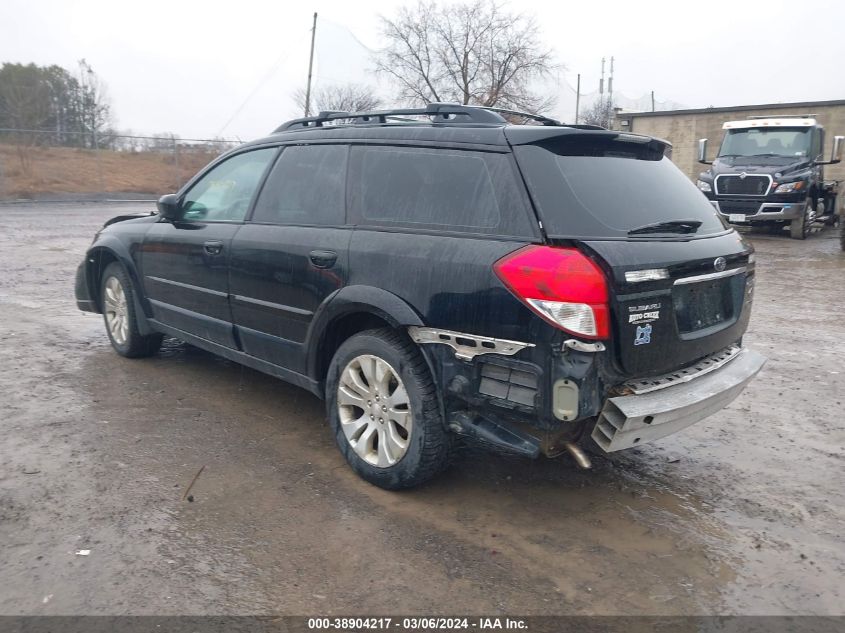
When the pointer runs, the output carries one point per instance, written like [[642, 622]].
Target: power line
[[282, 58]]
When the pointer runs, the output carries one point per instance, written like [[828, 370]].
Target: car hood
[[132, 218]]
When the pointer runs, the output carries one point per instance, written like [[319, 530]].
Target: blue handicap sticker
[[643, 336]]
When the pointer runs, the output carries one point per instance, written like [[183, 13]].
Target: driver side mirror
[[169, 207], [702, 152], [835, 154]]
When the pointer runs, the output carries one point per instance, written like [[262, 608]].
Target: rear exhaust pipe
[[578, 455]]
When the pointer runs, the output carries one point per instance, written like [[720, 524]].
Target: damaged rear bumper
[[627, 421]]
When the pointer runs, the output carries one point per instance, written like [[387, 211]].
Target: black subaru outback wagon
[[438, 275]]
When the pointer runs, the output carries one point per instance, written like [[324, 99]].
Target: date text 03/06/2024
[[416, 623]]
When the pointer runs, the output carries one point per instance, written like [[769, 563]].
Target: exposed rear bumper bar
[[626, 421]]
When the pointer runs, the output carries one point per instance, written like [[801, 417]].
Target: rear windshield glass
[[588, 187]]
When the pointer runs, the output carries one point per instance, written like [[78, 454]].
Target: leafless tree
[[93, 106], [470, 52], [600, 113], [340, 98]]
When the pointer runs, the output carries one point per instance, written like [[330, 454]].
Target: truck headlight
[[789, 187], [704, 185]]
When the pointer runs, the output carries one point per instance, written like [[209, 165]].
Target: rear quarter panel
[[449, 280]]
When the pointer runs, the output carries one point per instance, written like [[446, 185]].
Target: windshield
[[766, 142], [595, 188]]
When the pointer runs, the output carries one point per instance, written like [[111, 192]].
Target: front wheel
[[118, 305], [383, 410], [799, 228]]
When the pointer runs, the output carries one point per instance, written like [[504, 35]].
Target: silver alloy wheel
[[117, 316], [375, 412]]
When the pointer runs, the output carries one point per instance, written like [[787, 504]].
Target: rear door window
[[305, 187], [437, 189], [601, 188]]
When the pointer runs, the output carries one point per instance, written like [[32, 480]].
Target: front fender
[[105, 250]]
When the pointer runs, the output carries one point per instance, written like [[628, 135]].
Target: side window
[[307, 186], [449, 190], [817, 143], [224, 193]]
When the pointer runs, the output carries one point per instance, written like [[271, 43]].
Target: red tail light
[[562, 285]]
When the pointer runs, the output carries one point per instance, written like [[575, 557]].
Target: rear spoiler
[[533, 134]]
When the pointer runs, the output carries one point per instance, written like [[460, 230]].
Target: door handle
[[213, 247], [323, 259]]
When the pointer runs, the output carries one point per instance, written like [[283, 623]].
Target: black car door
[[185, 261], [292, 254]]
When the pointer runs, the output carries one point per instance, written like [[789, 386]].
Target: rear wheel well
[[98, 261], [342, 329]]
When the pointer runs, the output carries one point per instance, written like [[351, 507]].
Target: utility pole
[[652, 100], [577, 97], [601, 83], [310, 68], [610, 83]]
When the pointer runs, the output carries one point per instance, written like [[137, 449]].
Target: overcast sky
[[206, 68]]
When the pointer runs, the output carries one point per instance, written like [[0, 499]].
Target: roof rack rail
[[783, 116], [542, 120], [440, 112]]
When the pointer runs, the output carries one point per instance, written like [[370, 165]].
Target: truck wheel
[[842, 232], [830, 205], [118, 305], [383, 411], [799, 228]]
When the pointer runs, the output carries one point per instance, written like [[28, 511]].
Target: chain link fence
[[42, 165]]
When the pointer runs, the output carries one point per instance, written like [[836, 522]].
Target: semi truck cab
[[769, 171]]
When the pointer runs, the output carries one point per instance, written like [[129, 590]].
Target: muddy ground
[[740, 514]]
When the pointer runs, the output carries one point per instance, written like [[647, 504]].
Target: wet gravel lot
[[740, 514]]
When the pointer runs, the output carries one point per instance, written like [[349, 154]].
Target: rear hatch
[[661, 325], [680, 280]]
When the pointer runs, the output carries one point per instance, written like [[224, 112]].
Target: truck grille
[[746, 207], [736, 185]]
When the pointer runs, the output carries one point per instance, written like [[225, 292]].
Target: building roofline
[[767, 106]]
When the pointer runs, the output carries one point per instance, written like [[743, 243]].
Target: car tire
[[117, 297], [799, 228], [384, 412]]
